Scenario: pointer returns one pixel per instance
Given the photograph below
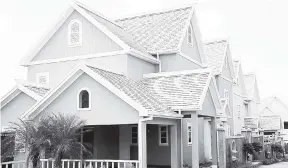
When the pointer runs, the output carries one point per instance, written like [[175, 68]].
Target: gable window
[[134, 135], [189, 134], [190, 35], [163, 135], [84, 99], [75, 33], [226, 93], [42, 78]]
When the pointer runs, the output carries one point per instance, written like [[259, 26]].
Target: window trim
[[78, 100], [167, 135], [190, 35], [79, 44], [46, 74], [189, 125], [134, 126]]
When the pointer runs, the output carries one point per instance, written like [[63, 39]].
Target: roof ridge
[[154, 12], [178, 73], [80, 4], [215, 41], [104, 69]]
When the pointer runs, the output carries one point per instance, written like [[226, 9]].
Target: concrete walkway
[[277, 165]]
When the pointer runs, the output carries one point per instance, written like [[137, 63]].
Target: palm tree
[[54, 135]]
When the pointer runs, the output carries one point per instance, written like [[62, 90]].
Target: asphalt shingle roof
[[158, 32], [41, 91], [182, 91], [215, 53], [137, 91]]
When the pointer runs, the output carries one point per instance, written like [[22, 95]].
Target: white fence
[[69, 163], [14, 164]]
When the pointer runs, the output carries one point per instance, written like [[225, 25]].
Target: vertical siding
[[137, 67], [58, 71], [93, 41]]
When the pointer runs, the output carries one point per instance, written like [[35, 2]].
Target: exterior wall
[[15, 108], [208, 106], [187, 149], [93, 41], [156, 154], [201, 142], [101, 100], [238, 117], [191, 50], [137, 67], [175, 62], [58, 71]]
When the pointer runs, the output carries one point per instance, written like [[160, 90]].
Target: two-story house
[[142, 80]]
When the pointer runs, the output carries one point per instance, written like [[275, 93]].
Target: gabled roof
[[251, 86], [183, 90], [108, 27], [134, 93], [216, 53], [275, 106], [225, 107], [33, 90], [160, 31]]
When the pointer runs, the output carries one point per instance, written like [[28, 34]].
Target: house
[[138, 80], [253, 97], [220, 60], [272, 106], [239, 98]]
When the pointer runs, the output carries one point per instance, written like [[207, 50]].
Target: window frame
[[134, 126], [69, 32], [78, 100], [190, 35], [189, 143], [160, 137], [47, 76]]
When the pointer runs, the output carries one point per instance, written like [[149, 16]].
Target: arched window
[[84, 99], [75, 33], [190, 35]]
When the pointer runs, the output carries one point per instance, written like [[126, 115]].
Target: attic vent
[[75, 33], [42, 78]]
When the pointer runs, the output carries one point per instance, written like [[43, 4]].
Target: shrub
[[286, 148], [257, 146], [248, 148]]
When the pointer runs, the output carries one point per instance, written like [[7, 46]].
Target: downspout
[[181, 146], [160, 66]]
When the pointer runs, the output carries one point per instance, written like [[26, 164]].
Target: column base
[[214, 166]]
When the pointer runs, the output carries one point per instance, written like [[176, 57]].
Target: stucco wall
[[12, 111], [175, 62], [137, 67], [58, 71], [93, 41], [106, 108]]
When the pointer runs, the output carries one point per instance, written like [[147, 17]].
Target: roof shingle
[[181, 91]]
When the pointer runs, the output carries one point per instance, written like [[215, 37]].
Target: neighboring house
[[139, 83], [240, 95], [272, 106], [253, 97], [220, 60]]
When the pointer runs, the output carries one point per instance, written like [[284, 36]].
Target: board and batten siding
[[58, 71], [93, 41]]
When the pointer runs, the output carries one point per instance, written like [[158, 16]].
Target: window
[[226, 93], [134, 137], [285, 125], [84, 98], [75, 33], [163, 135], [42, 78], [190, 35], [189, 134]]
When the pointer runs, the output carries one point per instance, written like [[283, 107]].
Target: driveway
[[277, 165]]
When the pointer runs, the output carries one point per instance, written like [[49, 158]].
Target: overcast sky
[[257, 29]]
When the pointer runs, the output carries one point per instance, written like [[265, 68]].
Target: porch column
[[195, 139], [207, 139], [214, 142], [174, 146], [142, 144]]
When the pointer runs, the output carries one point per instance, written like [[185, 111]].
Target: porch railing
[[91, 163], [14, 164]]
